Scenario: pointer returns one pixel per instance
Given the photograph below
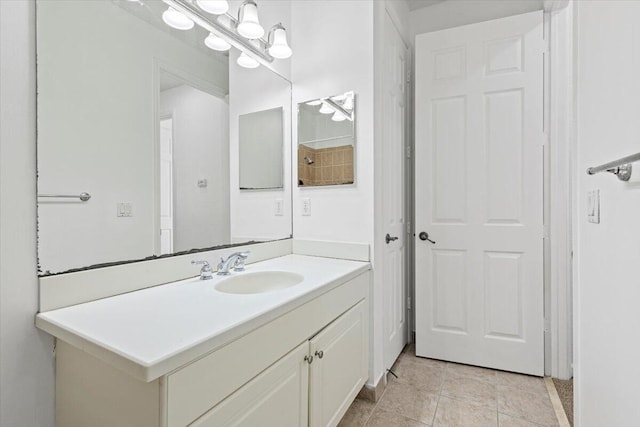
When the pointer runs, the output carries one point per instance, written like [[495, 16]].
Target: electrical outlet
[[124, 209], [202, 183], [279, 207], [306, 206]]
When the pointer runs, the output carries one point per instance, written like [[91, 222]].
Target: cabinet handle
[[320, 354], [308, 359]]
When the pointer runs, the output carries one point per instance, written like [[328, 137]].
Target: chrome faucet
[[235, 260], [205, 272]]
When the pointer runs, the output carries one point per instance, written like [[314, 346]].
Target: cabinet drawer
[[277, 397], [194, 389]]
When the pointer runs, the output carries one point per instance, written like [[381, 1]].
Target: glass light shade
[[338, 117], [176, 20], [278, 41], [216, 43], [326, 109], [215, 7], [315, 102], [246, 61], [248, 24]]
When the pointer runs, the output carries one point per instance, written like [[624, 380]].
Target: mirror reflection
[[326, 141], [145, 119]]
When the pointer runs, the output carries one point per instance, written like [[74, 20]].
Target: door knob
[[388, 238], [425, 236]]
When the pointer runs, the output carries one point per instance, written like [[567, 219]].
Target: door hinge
[[547, 325], [408, 227], [408, 76], [408, 151], [409, 302]]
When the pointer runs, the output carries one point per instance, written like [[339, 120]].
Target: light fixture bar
[[338, 107], [235, 39]]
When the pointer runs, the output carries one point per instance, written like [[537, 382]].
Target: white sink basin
[[259, 282]]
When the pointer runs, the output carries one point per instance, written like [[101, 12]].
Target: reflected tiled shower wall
[[330, 166]]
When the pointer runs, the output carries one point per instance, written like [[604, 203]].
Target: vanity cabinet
[[303, 368], [312, 385]]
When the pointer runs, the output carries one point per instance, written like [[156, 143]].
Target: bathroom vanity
[[292, 353]]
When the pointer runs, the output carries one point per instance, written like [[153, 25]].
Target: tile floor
[[440, 394]]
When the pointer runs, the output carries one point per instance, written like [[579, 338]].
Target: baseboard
[[373, 393]]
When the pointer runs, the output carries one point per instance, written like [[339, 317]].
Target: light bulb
[[246, 61], [215, 7], [176, 20], [326, 109], [248, 23], [278, 43], [216, 43], [338, 117]]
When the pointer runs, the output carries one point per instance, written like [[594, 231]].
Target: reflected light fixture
[[215, 7], [176, 20], [278, 46], [315, 102], [216, 43], [246, 61], [248, 24], [338, 117], [326, 109]]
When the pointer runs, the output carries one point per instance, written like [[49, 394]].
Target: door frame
[[559, 198]]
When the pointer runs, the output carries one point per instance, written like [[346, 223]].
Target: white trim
[[326, 249], [83, 286], [561, 157]]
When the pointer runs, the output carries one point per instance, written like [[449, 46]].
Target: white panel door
[[394, 126], [339, 367], [479, 194], [278, 397], [166, 186]]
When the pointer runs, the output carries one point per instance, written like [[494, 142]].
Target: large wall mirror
[[147, 120], [326, 140]]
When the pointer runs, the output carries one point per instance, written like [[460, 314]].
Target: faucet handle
[[242, 257], [205, 271]]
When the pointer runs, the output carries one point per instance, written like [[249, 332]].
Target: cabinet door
[[278, 397], [339, 367]]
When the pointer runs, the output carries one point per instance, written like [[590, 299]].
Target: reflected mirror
[[261, 150], [326, 141], [147, 120]]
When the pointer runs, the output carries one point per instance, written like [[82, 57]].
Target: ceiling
[[419, 4]]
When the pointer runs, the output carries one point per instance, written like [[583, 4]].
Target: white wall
[[26, 357], [106, 146], [333, 44], [607, 291], [453, 13], [200, 151]]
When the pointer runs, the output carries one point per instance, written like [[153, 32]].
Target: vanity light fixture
[[216, 43], [177, 20], [215, 7], [326, 109], [248, 24], [315, 102], [278, 46], [246, 61], [338, 117]]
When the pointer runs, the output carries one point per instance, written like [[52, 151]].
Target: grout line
[[563, 421]]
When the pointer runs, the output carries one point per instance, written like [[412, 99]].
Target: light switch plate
[[593, 206], [125, 209]]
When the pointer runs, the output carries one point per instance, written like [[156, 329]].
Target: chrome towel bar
[[621, 167], [82, 196]]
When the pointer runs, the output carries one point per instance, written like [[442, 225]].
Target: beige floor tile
[[456, 413], [410, 401], [509, 421], [358, 414], [422, 376], [382, 418], [457, 370], [424, 361], [471, 390], [527, 383], [530, 406]]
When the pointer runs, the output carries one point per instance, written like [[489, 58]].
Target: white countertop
[[151, 332]]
